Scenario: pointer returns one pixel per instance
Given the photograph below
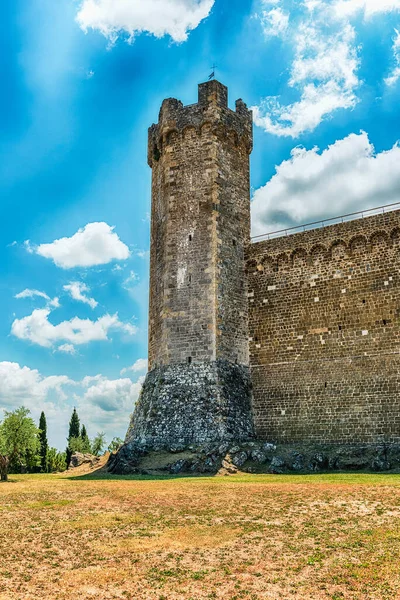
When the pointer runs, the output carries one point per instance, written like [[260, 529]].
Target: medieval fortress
[[293, 339]]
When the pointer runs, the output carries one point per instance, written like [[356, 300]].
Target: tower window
[[190, 237], [190, 278], [234, 242], [189, 360]]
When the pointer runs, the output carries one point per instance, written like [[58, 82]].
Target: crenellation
[[333, 324], [298, 335]]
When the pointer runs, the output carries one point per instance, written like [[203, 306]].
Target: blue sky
[[82, 80]]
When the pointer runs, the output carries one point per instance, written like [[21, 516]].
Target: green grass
[[309, 537]]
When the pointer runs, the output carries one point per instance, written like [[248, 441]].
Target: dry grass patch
[[251, 537]]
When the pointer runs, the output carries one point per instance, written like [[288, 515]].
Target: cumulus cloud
[[19, 384], [111, 395], [102, 404], [324, 71], [38, 329], [157, 17], [139, 366], [95, 244], [395, 74], [349, 176], [275, 21], [78, 291]]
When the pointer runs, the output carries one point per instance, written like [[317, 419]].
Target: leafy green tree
[[56, 461], [98, 443], [73, 432], [76, 445], [19, 443], [87, 448], [43, 442], [115, 444]]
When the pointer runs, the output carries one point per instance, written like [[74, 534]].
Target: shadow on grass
[[362, 478]]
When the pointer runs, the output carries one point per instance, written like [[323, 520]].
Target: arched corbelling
[[358, 244], [338, 249], [282, 262], [170, 136], [205, 127], [267, 264], [379, 239], [251, 266], [299, 257], [189, 131], [395, 235], [318, 253]]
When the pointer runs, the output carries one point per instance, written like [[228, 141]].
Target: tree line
[[24, 447]]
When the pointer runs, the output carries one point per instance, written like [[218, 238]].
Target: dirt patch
[[253, 537]]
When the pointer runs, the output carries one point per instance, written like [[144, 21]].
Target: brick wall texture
[[316, 315], [324, 330], [199, 155]]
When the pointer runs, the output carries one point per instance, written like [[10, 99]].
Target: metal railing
[[369, 212]]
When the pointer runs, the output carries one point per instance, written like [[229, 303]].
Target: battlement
[[210, 112]]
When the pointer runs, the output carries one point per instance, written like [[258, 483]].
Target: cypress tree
[[43, 442], [73, 432], [85, 440], [74, 425]]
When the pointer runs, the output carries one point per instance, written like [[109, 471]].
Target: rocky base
[[194, 403], [78, 459], [254, 457]]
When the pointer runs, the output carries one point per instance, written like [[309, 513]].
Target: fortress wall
[[324, 310]]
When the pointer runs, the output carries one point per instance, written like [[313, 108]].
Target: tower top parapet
[[211, 108]]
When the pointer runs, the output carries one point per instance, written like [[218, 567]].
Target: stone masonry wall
[[324, 310], [205, 402], [198, 387], [199, 156]]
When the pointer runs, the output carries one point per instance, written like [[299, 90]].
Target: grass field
[[252, 537]]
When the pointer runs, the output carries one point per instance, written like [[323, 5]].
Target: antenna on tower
[[212, 76]]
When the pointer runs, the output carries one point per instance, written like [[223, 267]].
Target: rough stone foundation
[[205, 402], [256, 457]]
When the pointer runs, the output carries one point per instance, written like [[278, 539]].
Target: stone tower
[[198, 387]]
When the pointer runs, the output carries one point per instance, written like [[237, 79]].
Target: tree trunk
[[4, 467]]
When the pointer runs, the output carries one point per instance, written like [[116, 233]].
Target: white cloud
[[111, 395], [67, 349], [95, 244], [131, 281], [274, 21], [324, 71], [395, 74], [369, 8], [102, 404], [19, 384], [31, 294], [139, 366], [77, 291], [349, 176], [158, 17], [37, 294], [38, 329]]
